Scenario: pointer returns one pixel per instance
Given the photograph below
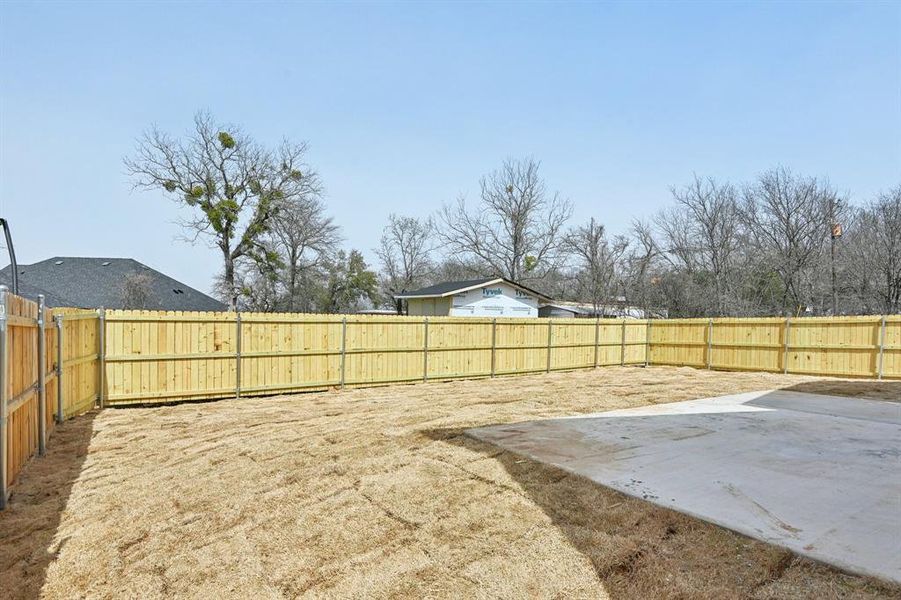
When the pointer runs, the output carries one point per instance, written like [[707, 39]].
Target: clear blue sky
[[406, 105]]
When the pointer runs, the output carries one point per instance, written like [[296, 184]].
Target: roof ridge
[[90, 258], [445, 288]]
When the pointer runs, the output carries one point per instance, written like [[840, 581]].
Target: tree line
[[780, 244]]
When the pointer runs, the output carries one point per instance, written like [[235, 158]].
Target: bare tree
[[516, 229], [598, 261], [784, 216], [137, 291], [304, 239], [232, 183], [257, 284], [876, 253], [702, 236], [454, 268], [405, 253], [640, 280]]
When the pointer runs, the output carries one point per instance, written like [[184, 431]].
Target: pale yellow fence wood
[[81, 360], [78, 383], [80, 375], [21, 384], [154, 356], [171, 356], [891, 359]]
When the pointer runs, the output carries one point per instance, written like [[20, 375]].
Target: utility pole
[[836, 233]]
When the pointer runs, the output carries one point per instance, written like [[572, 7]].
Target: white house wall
[[499, 300]]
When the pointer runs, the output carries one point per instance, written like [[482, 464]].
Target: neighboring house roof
[[94, 282], [576, 310], [31, 292], [605, 310], [449, 288]]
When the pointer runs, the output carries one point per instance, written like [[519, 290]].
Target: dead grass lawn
[[375, 492]]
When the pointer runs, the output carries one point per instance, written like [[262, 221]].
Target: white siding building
[[495, 297]]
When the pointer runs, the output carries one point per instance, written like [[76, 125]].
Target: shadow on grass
[[858, 388], [38, 498], [640, 550]]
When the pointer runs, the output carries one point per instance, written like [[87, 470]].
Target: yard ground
[[376, 492]]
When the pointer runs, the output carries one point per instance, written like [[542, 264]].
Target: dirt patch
[[376, 492]]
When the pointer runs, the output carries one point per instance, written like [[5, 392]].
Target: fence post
[[4, 359], [550, 329], [101, 351], [237, 355], [343, 348], [425, 350], [647, 342], [597, 338], [493, 344], [709, 341], [788, 323], [42, 380], [881, 344], [58, 319], [622, 346]]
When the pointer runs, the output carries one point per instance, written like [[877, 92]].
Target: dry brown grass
[[374, 492]]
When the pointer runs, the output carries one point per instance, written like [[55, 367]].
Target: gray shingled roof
[[449, 287], [94, 282], [31, 292]]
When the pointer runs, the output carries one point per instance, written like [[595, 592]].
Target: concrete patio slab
[[819, 475]]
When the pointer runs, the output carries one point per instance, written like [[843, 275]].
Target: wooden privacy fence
[[839, 346], [42, 381], [170, 356], [62, 362]]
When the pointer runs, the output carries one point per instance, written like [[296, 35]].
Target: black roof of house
[[94, 282], [26, 290], [447, 288]]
